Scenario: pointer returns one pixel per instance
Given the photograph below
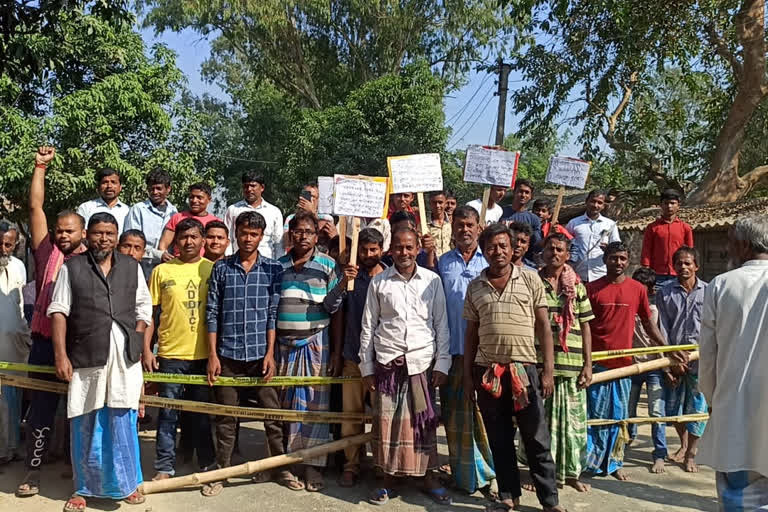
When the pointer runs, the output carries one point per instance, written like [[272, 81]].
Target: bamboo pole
[[254, 466], [484, 206], [686, 418], [638, 368], [353, 249]]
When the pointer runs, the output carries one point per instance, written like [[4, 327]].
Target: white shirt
[[14, 332], [116, 384], [119, 211], [491, 214], [271, 244], [732, 370], [405, 317], [586, 253]]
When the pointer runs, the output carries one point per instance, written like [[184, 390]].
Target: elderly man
[[732, 372], [14, 338], [99, 311]]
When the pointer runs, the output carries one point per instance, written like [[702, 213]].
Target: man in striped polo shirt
[[569, 316]]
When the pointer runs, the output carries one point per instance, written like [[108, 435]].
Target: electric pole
[[504, 70]]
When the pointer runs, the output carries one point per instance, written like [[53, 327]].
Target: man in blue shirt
[[680, 303], [470, 458], [241, 313], [150, 217]]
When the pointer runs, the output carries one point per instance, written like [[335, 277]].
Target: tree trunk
[[722, 182]]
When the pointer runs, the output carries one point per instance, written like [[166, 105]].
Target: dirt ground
[[674, 491]]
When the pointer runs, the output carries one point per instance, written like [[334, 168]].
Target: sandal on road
[[315, 480], [290, 481], [381, 496], [30, 486], [439, 495], [135, 499], [75, 504], [212, 489]]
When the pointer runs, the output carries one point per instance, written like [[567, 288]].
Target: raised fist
[[44, 155]]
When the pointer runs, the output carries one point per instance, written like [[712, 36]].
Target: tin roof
[[710, 216]]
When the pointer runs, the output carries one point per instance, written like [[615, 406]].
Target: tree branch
[[723, 51], [614, 117], [755, 176]]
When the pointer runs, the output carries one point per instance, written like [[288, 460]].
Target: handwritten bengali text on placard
[[415, 173], [568, 172], [490, 166], [359, 196]]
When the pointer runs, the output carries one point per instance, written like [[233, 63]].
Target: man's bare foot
[[658, 467], [620, 475], [528, 486], [679, 455], [161, 476], [689, 464], [503, 505], [578, 484]]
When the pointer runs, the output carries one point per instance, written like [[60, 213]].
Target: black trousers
[[499, 425], [43, 405]]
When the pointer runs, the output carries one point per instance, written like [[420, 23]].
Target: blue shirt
[[151, 221], [586, 253], [242, 306], [456, 275], [680, 312], [525, 217]]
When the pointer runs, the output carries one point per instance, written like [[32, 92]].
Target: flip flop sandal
[[75, 504], [212, 489], [439, 495], [290, 481], [261, 477], [135, 499], [315, 481], [381, 496], [33, 486]]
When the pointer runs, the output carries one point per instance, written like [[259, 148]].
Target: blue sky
[[471, 111]]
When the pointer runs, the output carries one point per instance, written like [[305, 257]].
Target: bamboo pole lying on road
[[254, 466], [638, 368]]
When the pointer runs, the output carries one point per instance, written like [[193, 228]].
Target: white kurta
[[116, 384], [14, 332], [733, 370]]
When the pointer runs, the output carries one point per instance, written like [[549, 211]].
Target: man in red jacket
[[663, 237]]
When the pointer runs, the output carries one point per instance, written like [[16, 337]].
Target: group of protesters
[[497, 317]]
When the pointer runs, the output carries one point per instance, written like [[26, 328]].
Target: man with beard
[[50, 252], [253, 200], [179, 289], [216, 240], [732, 370], [99, 311], [109, 183], [506, 311], [680, 303], [345, 359], [469, 455], [405, 330], [310, 293], [151, 215], [14, 338], [616, 300]]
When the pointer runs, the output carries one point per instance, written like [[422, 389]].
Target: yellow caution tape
[[175, 378], [205, 408], [613, 354]]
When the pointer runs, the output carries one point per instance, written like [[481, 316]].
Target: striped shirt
[[242, 306], [506, 319], [308, 296], [568, 364]]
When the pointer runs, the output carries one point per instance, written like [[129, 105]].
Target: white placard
[[415, 173], [325, 194], [490, 166], [569, 172], [359, 197]]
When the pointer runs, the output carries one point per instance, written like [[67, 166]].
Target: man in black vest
[[99, 311]]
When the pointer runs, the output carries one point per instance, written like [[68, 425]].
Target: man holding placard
[[592, 233], [493, 211]]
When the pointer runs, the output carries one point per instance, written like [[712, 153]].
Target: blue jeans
[[654, 387], [168, 419]]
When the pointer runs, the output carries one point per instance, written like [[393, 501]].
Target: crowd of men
[[501, 316]]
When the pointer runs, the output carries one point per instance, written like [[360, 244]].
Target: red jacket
[[661, 240]]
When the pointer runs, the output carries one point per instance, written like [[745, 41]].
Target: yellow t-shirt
[[180, 289]]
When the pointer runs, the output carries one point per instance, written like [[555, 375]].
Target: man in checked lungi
[[404, 336], [99, 311], [469, 454]]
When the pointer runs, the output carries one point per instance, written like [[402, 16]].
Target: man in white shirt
[[253, 188], [494, 211], [109, 183], [732, 370], [591, 234], [405, 330], [99, 311], [14, 338]]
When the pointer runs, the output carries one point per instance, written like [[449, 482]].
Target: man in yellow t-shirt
[[179, 288]]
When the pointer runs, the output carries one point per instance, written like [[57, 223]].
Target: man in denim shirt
[[243, 294]]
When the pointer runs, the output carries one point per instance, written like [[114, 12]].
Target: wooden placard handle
[[342, 236], [558, 204], [353, 249], [484, 206], [422, 213]]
